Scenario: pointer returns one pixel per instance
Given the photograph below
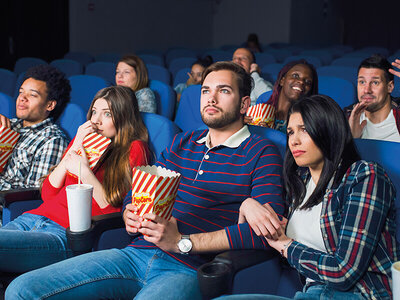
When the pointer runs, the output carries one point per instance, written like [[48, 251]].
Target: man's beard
[[226, 118]]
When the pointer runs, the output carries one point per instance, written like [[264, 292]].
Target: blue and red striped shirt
[[215, 181]]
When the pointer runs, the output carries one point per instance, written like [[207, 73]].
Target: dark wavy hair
[[58, 86], [330, 131], [377, 61], [276, 91], [244, 80]]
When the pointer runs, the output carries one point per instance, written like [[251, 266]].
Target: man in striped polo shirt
[[220, 167]]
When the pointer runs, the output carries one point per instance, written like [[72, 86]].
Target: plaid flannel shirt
[[358, 227], [39, 147]]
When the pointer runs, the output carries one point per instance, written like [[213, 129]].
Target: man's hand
[[248, 119], [132, 221], [395, 64], [161, 232], [4, 121], [261, 218], [254, 68], [354, 120]]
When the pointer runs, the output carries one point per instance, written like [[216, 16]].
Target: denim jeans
[[110, 274], [30, 242], [314, 292]]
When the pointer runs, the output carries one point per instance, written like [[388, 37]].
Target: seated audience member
[[376, 115], [42, 98], [194, 76], [246, 59], [220, 168], [37, 238], [295, 79], [131, 72], [341, 230], [253, 44]]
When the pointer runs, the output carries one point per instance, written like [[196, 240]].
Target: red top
[[54, 199]]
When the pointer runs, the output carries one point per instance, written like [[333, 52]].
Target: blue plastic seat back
[[7, 106], [166, 98], [159, 73], [72, 117], [105, 70], [273, 70], [180, 63], [161, 132], [18, 83], [339, 89], [24, 63], [68, 66], [396, 90], [152, 59], [178, 52], [219, 55], [264, 58], [7, 82], [108, 57], [315, 61], [264, 97], [387, 155], [188, 115], [181, 76], [83, 58], [348, 61], [279, 54], [84, 88], [325, 56], [348, 73]]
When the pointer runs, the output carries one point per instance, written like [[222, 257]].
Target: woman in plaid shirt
[[341, 230]]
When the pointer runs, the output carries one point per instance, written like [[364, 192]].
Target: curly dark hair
[[58, 86]]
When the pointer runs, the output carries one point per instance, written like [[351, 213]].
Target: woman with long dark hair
[[340, 232], [37, 238]]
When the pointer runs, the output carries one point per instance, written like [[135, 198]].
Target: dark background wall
[[50, 28]]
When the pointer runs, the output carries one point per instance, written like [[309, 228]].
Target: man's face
[[373, 88], [32, 105], [220, 102], [243, 58]]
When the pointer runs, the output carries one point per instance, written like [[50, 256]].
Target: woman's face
[[125, 75], [303, 148], [102, 118], [296, 82], [196, 73]]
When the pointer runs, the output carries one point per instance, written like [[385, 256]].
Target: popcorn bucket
[[262, 113], [95, 144], [154, 190], [8, 140]]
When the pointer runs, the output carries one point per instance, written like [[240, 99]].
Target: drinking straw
[[79, 175]]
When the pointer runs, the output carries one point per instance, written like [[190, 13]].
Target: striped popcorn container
[[262, 113], [154, 190], [95, 144], [8, 139]]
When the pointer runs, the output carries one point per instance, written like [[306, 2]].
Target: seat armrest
[[215, 277], [82, 242], [10, 196]]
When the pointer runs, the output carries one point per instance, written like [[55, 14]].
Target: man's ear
[[51, 105], [390, 86], [245, 104]]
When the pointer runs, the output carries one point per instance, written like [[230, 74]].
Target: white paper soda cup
[[79, 198], [396, 280]]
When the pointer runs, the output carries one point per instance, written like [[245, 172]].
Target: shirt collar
[[39, 126], [233, 141]]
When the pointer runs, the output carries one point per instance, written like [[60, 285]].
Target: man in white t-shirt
[[246, 59], [375, 116]]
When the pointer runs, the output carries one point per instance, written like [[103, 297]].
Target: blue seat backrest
[[181, 76], [188, 115], [159, 73], [166, 98], [103, 69], [72, 117], [82, 57], [161, 132], [387, 155], [7, 82], [7, 106], [339, 89], [68, 66], [264, 97], [24, 63]]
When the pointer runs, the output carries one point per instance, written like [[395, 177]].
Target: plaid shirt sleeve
[[46, 156], [366, 199]]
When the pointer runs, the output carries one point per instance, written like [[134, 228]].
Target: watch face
[[185, 245]]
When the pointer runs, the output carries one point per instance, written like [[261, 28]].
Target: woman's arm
[[57, 177]]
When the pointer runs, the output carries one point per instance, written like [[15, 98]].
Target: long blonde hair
[[129, 127]]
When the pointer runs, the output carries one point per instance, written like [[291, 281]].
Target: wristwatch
[[185, 244]]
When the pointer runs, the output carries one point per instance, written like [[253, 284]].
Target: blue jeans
[[30, 242], [110, 274], [315, 292]]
